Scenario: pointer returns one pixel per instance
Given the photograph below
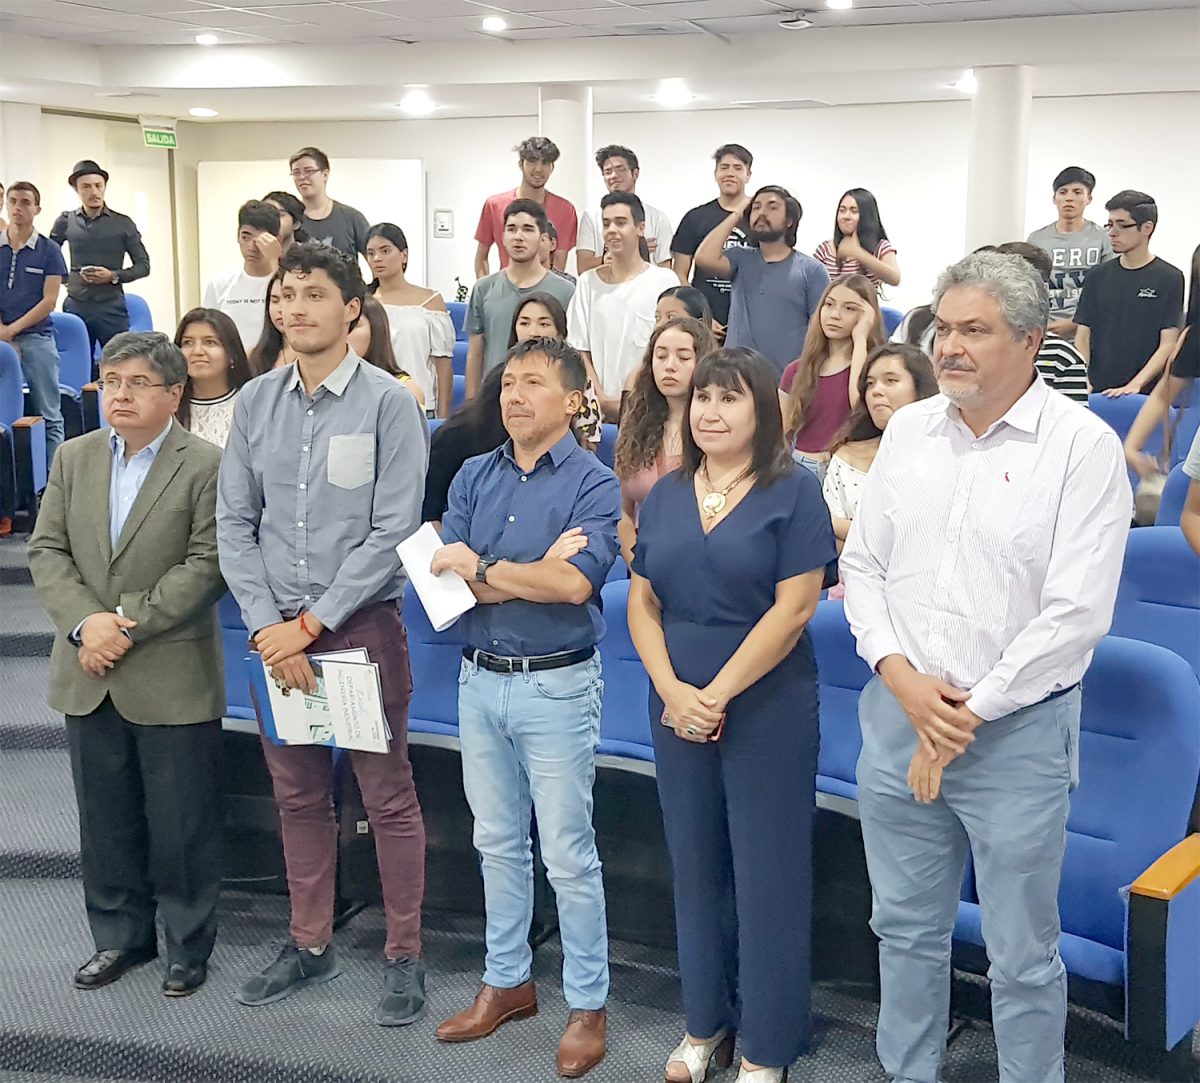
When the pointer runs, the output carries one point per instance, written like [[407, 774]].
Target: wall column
[[998, 155], [565, 116]]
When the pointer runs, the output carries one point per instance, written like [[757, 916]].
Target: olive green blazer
[[162, 572]]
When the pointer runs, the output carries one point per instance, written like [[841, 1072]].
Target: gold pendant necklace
[[715, 500]]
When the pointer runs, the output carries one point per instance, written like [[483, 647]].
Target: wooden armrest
[[28, 422], [91, 386], [1172, 872]]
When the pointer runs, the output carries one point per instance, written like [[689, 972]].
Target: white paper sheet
[[446, 597]]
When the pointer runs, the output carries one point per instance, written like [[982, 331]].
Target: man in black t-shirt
[[732, 174], [1131, 307]]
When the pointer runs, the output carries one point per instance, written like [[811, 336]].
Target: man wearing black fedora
[[99, 239]]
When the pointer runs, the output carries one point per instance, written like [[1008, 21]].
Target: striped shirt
[[827, 256], [990, 562], [1063, 368]]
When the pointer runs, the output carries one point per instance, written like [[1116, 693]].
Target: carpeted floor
[[129, 1032]]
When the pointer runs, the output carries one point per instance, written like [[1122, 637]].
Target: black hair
[[736, 368], [269, 346], [318, 156], [559, 354], [737, 150], [313, 256], [693, 300], [1038, 258], [859, 424], [294, 209], [480, 417], [615, 150], [240, 372], [870, 227], [258, 214], [379, 352], [1075, 174], [530, 207], [550, 303], [637, 210], [1140, 206], [393, 234], [793, 212], [27, 186], [537, 148]]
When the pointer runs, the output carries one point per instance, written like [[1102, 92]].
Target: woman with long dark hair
[[421, 331], [271, 350], [728, 567], [369, 338], [650, 440], [860, 244], [217, 371], [820, 387]]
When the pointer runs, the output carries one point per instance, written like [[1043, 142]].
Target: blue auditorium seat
[[1174, 496], [608, 444], [841, 676], [1119, 414], [436, 658], [892, 318], [625, 718], [459, 358], [74, 367], [234, 643], [1159, 596], [458, 317], [1139, 764], [619, 571], [139, 313], [459, 395], [24, 461]]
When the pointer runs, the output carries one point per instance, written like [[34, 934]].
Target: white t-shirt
[[658, 231], [242, 298], [417, 334], [614, 322]]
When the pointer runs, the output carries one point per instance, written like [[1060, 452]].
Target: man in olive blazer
[[124, 558]]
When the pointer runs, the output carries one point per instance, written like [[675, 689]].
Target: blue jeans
[[529, 740], [1007, 798], [39, 366]]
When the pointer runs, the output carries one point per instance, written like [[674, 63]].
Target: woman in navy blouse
[[728, 567]]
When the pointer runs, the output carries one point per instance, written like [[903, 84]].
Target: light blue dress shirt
[[128, 477]]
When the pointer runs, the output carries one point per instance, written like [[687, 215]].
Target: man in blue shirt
[[532, 528], [32, 270]]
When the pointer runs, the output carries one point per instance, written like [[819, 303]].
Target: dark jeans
[[103, 320], [150, 830]]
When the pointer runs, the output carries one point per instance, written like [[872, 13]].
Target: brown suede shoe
[[492, 1008], [581, 1047]]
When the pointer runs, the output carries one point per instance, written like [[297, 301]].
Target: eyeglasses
[[304, 174], [138, 385], [1110, 226], [615, 171]]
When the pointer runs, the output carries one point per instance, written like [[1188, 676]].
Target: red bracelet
[[307, 631]]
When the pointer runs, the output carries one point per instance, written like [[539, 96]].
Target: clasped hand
[[460, 558], [282, 647], [693, 713], [104, 642]]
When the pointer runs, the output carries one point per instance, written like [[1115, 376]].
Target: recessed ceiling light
[[416, 103], [493, 24], [206, 39], [798, 20], [672, 94], [201, 111], [839, 5], [968, 83]]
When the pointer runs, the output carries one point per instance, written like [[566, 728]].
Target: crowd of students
[[765, 425]]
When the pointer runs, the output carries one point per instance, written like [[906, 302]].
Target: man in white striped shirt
[[980, 572]]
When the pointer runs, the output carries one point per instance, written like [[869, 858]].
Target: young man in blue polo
[[32, 270]]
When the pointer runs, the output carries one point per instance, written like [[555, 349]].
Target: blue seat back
[[139, 313], [1174, 496], [12, 398], [234, 643], [608, 444], [458, 317], [1139, 763], [459, 395], [1159, 597], [74, 350], [841, 677], [892, 318], [436, 658], [458, 361], [1187, 424], [625, 717]]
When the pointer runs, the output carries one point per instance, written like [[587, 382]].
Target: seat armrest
[[1172, 872]]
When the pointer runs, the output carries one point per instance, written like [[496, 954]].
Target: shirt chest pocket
[[35, 271], [351, 462]]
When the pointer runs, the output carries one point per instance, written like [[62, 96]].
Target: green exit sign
[[156, 137]]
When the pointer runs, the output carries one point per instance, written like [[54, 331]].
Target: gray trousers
[[1006, 798]]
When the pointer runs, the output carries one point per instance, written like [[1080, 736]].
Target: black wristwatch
[[481, 569]]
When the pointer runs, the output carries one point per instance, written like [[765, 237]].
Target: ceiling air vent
[[648, 30], [780, 103]]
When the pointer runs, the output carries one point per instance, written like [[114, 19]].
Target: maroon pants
[[302, 777]]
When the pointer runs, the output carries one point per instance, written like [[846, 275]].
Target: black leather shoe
[[105, 967], [183, 981]]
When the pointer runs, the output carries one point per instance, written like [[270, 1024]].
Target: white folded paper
[[446, 597]]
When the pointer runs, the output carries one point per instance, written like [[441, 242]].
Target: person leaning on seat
[[532, 528], [124, 557]]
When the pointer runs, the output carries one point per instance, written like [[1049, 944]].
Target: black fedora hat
[[82, 169]]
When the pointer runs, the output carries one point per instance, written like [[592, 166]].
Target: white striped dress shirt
[[990, 562]]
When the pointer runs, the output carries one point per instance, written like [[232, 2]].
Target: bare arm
[[886, 269], [559, 261], [474, 366], [681, 264], [644, 612], [1167, 338], [1083, 342], [1189, 521], [710, 256], [547, 580], [444, 368], [609, 407], [481, 261], [1154, 412], [586, 260], [627, 529]]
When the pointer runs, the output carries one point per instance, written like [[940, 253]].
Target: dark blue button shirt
[[500, 511], [23, 276]]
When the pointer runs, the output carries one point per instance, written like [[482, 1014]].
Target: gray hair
[[1020, 291], [159, 351]]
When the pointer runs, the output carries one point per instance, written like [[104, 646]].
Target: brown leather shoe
[[581, 1047], [492, 1008]]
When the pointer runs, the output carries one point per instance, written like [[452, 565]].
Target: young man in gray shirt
[[325, 219], [495, 299], [1075, 246]]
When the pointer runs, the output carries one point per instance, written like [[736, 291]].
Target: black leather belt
[[496, 663]]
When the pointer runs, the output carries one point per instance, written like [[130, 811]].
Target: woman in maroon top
[[650, 440], [819, 389]]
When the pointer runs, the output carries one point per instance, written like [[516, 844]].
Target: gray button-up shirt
[[102, 241], [316, 492]]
